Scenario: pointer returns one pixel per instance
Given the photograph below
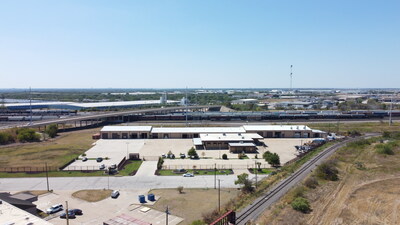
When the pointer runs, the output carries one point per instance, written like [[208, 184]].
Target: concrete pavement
[[129, 182]]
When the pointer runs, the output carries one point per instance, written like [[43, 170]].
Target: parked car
[[164, 156], [76, 211], [188, 175], [113, 166], [54, 209], [115, 194], [99, 159], [182, 155], [71, 215], [102, 167], [84, 159]]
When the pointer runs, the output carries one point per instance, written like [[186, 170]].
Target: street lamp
[[127, 154]]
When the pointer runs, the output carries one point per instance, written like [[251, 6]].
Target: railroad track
[[255, 209]]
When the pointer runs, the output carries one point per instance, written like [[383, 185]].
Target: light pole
[[219, 195], [166, 213], [47, 178], [215, 176], [127, 147]]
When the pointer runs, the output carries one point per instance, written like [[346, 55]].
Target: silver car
[[54, 209]]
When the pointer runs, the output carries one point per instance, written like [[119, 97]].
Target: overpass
[[121, 116]]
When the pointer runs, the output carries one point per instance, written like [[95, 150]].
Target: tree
[[27, 135], [301, 204], [6, 138], [160, 163], [192, 153], [224, 156], [272, 158], [243, 180], [52, 130]]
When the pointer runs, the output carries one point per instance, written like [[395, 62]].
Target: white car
[[54, 209], [188, 175], [115, 194]]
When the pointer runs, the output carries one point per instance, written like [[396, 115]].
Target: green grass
[[263, 171], [53, 174], [198, 172], [130, 168]]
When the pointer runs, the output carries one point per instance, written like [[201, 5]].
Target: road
[[133, 182], [254, 210]]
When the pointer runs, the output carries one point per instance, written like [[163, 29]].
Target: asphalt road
[[133, 182], [254, 210]]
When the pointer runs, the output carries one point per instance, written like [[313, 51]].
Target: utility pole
[[215, 176], [390, 111], [47, 177], [30, 105], [166, 213], [255, 169], [186, 104], [66, 212], [127, 154], [219, 195], [291, 77]]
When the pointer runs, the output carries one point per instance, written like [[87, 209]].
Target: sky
[[199, 44]]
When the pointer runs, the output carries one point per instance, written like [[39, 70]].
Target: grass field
[[55, 152], [263, 171], [192, 203], [363, 127], [130, 168], [54, 174], [196, 172], [92, 195]]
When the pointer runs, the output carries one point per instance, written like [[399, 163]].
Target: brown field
[[370, 195], [92, 195], [56, 152], [192, 203]]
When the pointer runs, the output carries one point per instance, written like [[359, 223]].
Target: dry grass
[[367, 195], [92, 195], [55, 152], [192, 203]]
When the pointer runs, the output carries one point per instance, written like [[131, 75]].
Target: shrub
[[52, 130], [244, 180], [27, 135], [272, 158], [328, 171], [6, 138], [311, 182], [386, 149], [224, 156], [180, 189], [198, 222], [301, 204], [298, 191]]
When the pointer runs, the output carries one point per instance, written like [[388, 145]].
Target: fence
[[28, 169], [212, 166]]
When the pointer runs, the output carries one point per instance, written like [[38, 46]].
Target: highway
[[254, 210], [113, 114]]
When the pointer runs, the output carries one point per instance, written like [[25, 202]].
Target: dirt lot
[[55, 152], [193, 202], [366, 195]]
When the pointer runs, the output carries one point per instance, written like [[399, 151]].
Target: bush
[[224, 156], [328, 171], [386, 149], [301, 204], [6, 138], [198, 222], [244, 180], [272, 158], [298, 191], [52, 130], [192, 153], [311, 182], [27, 135], [180, 189]]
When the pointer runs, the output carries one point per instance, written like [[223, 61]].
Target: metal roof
[[242, 144], [126, 128], [229, 137], [198, 130], [276, 128]]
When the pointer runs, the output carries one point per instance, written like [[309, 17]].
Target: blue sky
[[199, 43]]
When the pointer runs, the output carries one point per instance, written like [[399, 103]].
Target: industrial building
[[90, 105], [236, 139]]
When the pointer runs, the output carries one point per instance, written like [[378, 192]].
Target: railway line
[[254, 210]]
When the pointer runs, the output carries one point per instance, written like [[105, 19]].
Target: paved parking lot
[[98, 212], [151, 149]]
